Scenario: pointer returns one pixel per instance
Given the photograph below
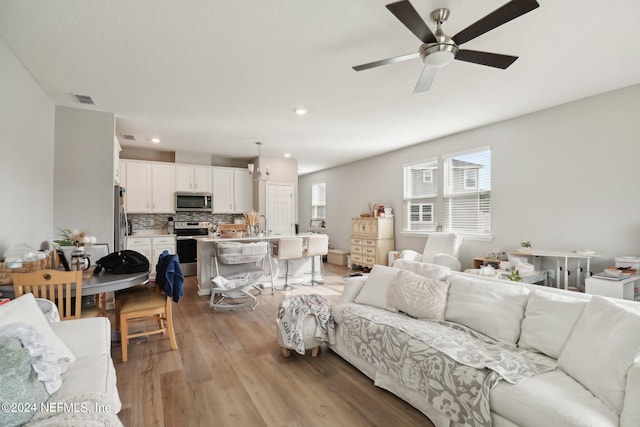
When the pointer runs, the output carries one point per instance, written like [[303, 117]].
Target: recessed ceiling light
[[287, 154], [155, 140], [300, 111]]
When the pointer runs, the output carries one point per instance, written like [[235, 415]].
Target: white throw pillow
[[495, 309], [603, 345], [433, 271], [24, 309], [376, 288], [548, 322], [418, 296]]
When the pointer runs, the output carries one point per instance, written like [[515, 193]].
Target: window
[[467, 192], [420, 192], [462, 202], [319, 201]]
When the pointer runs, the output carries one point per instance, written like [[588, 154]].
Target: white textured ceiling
[[216, 76]]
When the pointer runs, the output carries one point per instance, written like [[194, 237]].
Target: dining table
[[97, 283]]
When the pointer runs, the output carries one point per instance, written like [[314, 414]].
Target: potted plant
[[525, 246]]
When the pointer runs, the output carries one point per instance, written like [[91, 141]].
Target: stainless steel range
[[187, 245]]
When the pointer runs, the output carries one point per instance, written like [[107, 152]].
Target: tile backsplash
[[159, 221]]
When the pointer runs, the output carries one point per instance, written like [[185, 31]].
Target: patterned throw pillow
[[19, 385], [418, 296]]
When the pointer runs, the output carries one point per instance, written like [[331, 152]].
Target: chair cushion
[[418, 296], [551, 399], [601, 349], [376, 288], [149, 300], [441, 242]]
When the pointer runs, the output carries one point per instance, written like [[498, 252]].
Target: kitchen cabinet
[[194, 179], [371, 241], [152, 247], [232, 190], [150, 187]]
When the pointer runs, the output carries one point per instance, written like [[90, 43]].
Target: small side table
[[481, 260], [621, 289]]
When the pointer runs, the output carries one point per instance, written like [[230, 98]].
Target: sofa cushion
[[495, 308], [548, 322], [433, 271], [376, 288], [24, 309], [85, 337], [551, 399], [418, 296], [90, 375], [601, 349]]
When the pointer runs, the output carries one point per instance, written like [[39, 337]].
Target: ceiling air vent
[[129, 137], [84, 99]]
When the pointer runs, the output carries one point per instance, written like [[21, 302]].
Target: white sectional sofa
[[68, 377], [469, 351]]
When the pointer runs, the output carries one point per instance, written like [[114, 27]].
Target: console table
[[559, 256]]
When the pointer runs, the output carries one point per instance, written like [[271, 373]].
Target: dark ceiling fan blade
[[486, 58], [425, 80], [386, 61], [502, 15], [407, 14]]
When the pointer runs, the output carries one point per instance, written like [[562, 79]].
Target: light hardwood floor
[[229, 371]]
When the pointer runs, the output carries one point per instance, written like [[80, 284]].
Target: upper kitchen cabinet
[[150, 187], [193, 179], [232, 190]]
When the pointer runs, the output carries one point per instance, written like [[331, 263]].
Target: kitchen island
[[206, 248]]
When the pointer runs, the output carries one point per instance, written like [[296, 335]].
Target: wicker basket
[[232, 230], [6, 273]]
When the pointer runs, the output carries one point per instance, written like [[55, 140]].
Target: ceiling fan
[[439, 49]]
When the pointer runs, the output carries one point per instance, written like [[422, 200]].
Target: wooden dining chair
[[64, 288], [147, 305]]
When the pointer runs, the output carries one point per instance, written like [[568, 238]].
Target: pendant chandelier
[[258, 174]]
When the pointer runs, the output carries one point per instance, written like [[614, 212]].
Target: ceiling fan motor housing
[[444, 50]]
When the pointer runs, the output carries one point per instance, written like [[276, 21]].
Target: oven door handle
[[185, 238]]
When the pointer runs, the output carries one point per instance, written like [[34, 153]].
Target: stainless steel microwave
[[194, 202]]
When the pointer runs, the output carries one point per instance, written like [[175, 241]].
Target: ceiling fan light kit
[[438, 49]]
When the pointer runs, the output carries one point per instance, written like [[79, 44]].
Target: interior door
[[280, 208]]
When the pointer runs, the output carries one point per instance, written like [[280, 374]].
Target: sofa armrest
[[352, 287], [85, 337], [448, 261], [630, 415]]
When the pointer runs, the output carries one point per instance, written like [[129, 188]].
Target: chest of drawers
[[371, 241]]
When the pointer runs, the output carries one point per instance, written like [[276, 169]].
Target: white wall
[[26, 156], [83, 191], [565, 178]]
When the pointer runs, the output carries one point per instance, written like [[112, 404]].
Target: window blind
[[420, 193]]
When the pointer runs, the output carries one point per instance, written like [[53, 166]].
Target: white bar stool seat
[[288, 248], [317, 245]]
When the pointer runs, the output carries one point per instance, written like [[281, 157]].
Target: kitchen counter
[[151, 233]]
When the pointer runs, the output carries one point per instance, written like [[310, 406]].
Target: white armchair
[[442, 248]]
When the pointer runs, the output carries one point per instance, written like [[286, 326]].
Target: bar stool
[[317, 245], [288, 248]]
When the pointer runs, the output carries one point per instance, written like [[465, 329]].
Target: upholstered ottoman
[[304, 322]]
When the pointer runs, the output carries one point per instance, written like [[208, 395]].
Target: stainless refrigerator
[[120, 223]]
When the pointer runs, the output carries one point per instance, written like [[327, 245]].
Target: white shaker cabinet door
[[163, 189], [222, 190], [138, 190]]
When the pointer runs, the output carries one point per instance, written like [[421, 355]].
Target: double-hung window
[[452, 193], [420, 195], [319, 201]]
